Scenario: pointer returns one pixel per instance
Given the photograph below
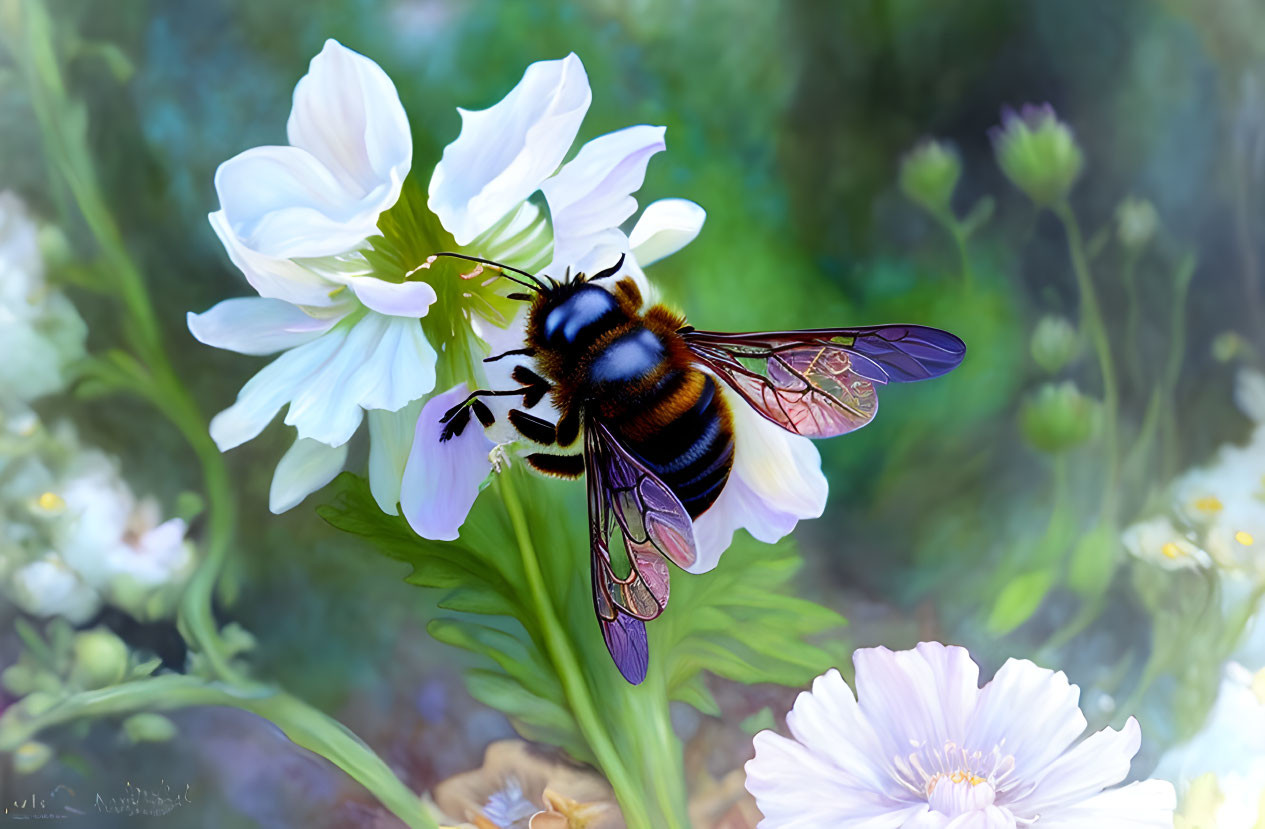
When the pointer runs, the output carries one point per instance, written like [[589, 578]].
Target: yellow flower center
[[1244, 538], [50, 502], [955, 777], [1171, 550], [1209, 504]]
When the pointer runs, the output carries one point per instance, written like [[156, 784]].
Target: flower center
[[959, 793], [1209, 504]]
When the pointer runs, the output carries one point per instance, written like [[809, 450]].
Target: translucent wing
[[820, 383], [654, 524]]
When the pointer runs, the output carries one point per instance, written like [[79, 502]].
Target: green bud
[[100, 659], [148, 727], [1058, 417], [1228, 345], [1055, 343], [1037, 153], [1136, 223], [929, 174], [30, 757], [18, 679]]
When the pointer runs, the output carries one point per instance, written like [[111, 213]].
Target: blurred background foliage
[[788, 122]]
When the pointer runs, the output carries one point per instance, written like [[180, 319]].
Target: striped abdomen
[[666, 412], [693, 452]]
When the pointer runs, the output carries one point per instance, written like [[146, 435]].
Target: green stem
[[1172, 368], [567, 664], [1133, 317], [302, 724], [65, 142], [954, 228], [1091, 319]]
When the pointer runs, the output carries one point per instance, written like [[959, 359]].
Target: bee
[[641, 390]]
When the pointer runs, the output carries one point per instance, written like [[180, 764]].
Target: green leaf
[[541, 718], [1019, 599], [741, 621]]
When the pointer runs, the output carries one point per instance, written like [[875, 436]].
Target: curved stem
[[1091, 318], [567, 664], [304, 725]]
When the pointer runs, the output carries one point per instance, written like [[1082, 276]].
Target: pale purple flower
[[922, 746]]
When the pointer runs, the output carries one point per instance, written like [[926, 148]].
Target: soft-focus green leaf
[[1019, 600]]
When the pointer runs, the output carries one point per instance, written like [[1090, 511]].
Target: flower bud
[[1136, 223], [928, 175], [1228, 345], [148, 727], [1037, 153], [1058, 417], [1055, 343], [30, 757], [100, 659]]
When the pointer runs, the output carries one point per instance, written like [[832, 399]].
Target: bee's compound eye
[[582, 309]]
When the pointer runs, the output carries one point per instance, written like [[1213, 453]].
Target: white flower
[[304, 223], [1156, 541], [49, 587], [40, 331], [504, 154], [1225, 502], [922, 746], [297, 220], [1228, 755]]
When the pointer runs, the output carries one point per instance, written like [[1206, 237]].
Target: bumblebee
[[638, 392]]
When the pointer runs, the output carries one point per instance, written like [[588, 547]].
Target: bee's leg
[[560, 466], [534, 385], [569, 427], [517, 352], [534, 428]]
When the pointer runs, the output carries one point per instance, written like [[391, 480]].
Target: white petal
[[916, 696], [403, 365], [348, 115], [327, 404], [272, 277], [282, 202], [442, 479], [400, 299], [1100, 760], [795, 787], [251, 325], [830, 723], [1249, 393], [1032, 709], [592, 194], [307, 466], [1145, 805], [664, 227], [988, 818], [390, 439], [264, 394], [504, 152], [776, 481]]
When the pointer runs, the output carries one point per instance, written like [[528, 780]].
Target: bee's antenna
[[535, 284], [611, 271]]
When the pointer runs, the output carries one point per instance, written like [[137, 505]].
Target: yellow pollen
[[962, 777], [1209, 503], [1243, 538], [1171, 550], [50, 502]]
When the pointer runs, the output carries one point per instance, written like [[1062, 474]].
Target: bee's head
[[562, 312]]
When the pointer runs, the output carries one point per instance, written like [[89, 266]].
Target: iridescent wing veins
[[821, 383], [623, 492]]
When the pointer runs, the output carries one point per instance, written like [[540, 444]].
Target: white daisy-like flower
[[1221, 770], [327, 233], [50, 587], [40, 331], [1225, 502], [922, 746], [1156, 541]]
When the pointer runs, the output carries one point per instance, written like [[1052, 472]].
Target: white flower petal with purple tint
[[307, 466], [442, 478], [254, 325], [663, 228], [922, 746], [350, 152], [504, 153], [775, 482], [390, 442], [591, 196]]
